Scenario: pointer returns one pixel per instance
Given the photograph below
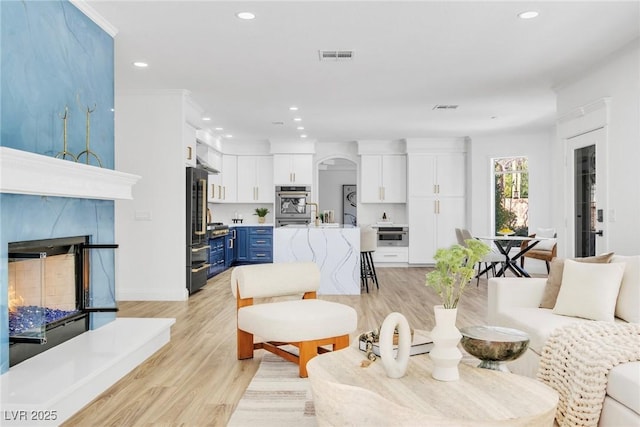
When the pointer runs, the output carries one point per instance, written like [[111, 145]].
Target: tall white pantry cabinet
[[383, 179], [436, 196]]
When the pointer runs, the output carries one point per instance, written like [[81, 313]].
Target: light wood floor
[[195, 380]]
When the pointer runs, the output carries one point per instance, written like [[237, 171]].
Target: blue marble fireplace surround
[[53, 56]]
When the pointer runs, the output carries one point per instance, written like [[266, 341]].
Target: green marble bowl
[[494, 345]]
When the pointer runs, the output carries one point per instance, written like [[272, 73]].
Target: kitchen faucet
[[317, 220]]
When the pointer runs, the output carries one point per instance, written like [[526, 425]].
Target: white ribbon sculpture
[[395, 367]]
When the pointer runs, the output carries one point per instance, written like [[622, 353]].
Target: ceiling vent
[[335, 55], [445, 107]]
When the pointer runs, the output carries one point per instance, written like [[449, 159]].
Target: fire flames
[[15, 301]]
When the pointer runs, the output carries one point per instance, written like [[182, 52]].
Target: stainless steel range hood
[[201, 163]]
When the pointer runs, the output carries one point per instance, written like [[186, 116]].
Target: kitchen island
[[336, 251]]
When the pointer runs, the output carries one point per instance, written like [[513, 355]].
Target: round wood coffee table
[[346, 393]]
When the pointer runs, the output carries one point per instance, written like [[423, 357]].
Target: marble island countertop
[[336, 251]]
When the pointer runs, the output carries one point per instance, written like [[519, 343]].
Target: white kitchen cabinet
[[255, 179], [434, 175], [229, 179], [390, 254], [436, 205], [383, 179], [432, 224], [189, 144], [293, 169], [213, 192], [224, 184]]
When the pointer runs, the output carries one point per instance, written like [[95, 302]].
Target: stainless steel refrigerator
[[197, 251]]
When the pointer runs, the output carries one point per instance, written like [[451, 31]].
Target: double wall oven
[[197, 234], [292, 205]]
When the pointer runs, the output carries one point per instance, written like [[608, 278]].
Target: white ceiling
[[409, 56]]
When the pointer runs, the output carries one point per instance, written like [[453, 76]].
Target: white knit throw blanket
[[576, 360]]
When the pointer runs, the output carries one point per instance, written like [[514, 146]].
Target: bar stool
[[368, 245]]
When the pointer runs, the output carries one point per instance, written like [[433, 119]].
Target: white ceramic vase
[[445, 354]]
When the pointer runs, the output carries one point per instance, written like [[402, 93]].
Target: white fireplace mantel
[[22, 172]]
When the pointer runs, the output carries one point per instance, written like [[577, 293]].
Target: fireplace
[[53, 286]]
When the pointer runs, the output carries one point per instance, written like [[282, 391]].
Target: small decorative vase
[[445, 354], [260, 220]]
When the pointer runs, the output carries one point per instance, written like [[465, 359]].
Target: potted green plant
[[261, 212], [453, 270]]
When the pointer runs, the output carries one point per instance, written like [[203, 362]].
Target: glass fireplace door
[[28, 310], [98, 281]]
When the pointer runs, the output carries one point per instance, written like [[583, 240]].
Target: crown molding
[[98, 19]]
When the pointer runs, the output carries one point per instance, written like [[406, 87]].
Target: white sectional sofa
[[515, 303]]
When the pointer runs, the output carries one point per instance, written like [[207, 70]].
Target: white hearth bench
[[51, 387], [308, 323]]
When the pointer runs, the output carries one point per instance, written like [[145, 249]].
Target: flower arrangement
[[454, 269]]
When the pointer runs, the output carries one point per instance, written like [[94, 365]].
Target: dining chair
[[545, 250], [489, 260]]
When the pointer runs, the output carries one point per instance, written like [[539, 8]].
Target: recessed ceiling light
[[293, 108], [303, 136], [300, 128], [245, 15], [219, 128], [140, 64], [206, 119], [228, 135], [297, 119], [529, 14]]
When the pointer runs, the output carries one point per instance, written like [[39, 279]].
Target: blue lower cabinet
[[230, 249], [260, 244], [242, 244], [216, 256], [254, 244]]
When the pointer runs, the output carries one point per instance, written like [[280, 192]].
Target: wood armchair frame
[[306, 349]]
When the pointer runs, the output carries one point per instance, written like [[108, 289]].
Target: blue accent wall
[[52, 57]]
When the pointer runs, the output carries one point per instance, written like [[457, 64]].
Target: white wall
[[617, 77], [537, 148], [148, 142]]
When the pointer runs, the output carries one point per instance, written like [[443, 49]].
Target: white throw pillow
[[628, 305], [589, 290], [545, 245]]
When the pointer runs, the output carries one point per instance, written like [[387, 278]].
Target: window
[[511, 202]]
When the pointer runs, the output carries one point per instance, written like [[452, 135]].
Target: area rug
[[276, 397]]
